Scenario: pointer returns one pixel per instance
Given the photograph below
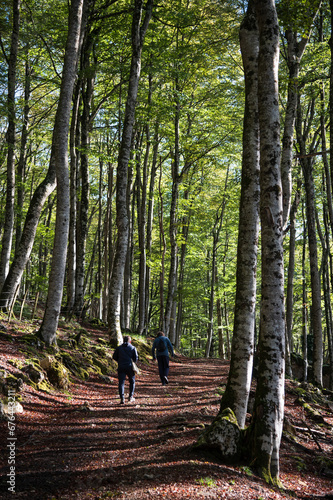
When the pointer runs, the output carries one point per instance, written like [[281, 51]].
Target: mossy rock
[[223, 436], [58, 375], [102, 365], [33, 373], [144, 350], [102, 341]]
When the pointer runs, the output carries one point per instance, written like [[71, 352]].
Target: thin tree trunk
[[21, 165], [305, 307], [87, 91], [74, 161], [290, 283], [116, 282], [216, 235], [172, 282], [150, 216], [10, 139], [141, 183], [27, 239], [316, 320], [162, 252], [240, 374], [60, 140]]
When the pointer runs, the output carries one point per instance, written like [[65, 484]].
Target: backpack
[[161, 346]]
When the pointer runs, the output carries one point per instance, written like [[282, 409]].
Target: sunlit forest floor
[[82, 444]]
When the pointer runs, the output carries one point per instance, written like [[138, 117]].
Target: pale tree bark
[[21, 164], [150, 216], [88, 65], [307, 163], [294, 53], [216, 235], [27, 239], [269, 400], [185, 223], [305, 306], [74, 161], [60, 133], [176, 179], [7, 237], [126, 295], [290, 282], [162, 253], [117, 278], [141, 183], [240, 374]]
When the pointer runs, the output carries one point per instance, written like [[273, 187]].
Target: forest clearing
[[82, 444]]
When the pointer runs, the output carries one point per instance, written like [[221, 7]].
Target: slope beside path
[[84, 444]]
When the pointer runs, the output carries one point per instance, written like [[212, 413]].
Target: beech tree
[[122, 204], [60, 150], [269, 399], [7, 238], [240, 374]]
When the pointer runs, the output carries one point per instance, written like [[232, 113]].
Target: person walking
[[124, 355], [162, 346]]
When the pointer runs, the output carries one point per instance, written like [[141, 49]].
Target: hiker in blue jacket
[[124, 355], [162, 346]]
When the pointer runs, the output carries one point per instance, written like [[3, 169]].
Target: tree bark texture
[[27, 239], [117, 278], [240, 374], [61, 129], [315, 311], [10, 139], [269, 399]]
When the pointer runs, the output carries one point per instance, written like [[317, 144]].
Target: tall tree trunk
[[74, 162], [60, 140], [216, 235], [220, 328], [327, 293], [290, 283], [316, 319], [331, 92], [10, 139], [162, 253], [294, 54], [142, 223], [27, 239], [108, 241], [176, 177], [87, 91], [269, 399], [21, 165], [240, 374], [116, 282], [185, 231], [150, 216], [305, 306], [127, 286]]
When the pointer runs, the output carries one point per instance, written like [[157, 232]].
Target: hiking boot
[[122, 401], [166, 379], [131, 399]]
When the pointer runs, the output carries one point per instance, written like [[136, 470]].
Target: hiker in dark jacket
[[124, 355], [162, 346]]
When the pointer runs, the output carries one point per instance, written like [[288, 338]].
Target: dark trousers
[[163, 367], [121, 379]]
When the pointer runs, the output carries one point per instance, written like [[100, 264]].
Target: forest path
[[87, 445]]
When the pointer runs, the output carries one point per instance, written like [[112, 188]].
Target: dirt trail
[[90, 446]]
